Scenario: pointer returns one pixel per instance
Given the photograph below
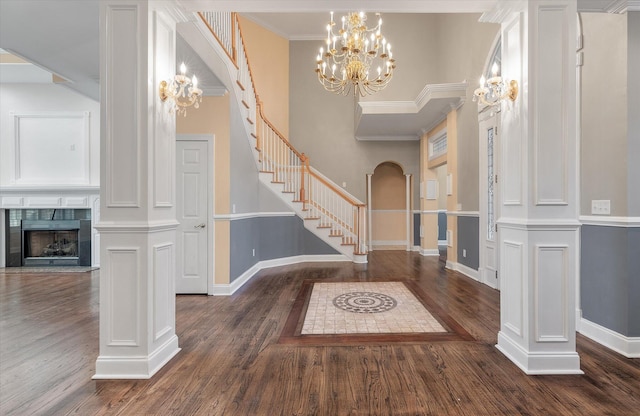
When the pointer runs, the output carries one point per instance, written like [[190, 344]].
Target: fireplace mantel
[[14, 197]]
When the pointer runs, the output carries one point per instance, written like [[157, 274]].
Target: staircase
[[335, 216]]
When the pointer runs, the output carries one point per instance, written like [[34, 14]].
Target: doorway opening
[[388, 207]]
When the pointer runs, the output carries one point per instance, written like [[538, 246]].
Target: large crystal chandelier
[[362, 58]]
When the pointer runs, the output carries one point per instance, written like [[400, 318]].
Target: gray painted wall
[[416, 229], [442, 226], [468, 239], [272, 238], [634, 281], [610, 277]]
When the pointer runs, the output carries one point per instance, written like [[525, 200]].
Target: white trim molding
[[246, 215], [463, 213], [606, 221], [230, 289], [465, 270], [627, 346]]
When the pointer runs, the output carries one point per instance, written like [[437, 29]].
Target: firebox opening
[[45, 243]]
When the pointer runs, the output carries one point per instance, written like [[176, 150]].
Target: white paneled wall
[[49, 151]]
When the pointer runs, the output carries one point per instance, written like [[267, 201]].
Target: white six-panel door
[[192, 214]]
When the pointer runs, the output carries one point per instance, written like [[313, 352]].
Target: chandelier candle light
[[183, 92], [358, 49], [495, 89]]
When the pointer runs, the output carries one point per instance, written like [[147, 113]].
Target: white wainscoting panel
[[77, 202], [512, 135], [163, 263], [51, 148], [44, 201], [512, 259], [551, 91], [163, 123], [121, 129], [123, 293], [12, 202], [550, 286]]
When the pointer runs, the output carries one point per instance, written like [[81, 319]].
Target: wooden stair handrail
[[337, 190], [358, 223]]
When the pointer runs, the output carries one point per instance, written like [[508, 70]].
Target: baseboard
[[429, 251], [442, 242], [539, 363], [230, 289], [136, 367], [465, 270], [627, 346]]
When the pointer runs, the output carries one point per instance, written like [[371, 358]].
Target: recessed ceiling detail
[[408, 120]]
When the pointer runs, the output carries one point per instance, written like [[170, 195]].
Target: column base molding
[[136, 367], [539, 363]]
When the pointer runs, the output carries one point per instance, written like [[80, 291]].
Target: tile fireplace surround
[[54, 223]]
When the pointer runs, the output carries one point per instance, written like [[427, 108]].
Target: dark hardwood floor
[[231, 362]]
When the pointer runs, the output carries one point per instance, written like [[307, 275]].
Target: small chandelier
[[495, 89], [183, 92], [358, 50]]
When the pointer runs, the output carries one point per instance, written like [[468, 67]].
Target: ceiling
[[61, 37]]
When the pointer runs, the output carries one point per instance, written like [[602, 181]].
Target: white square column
[[538, 230], [137, 190]]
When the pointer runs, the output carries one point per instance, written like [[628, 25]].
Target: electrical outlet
[[233, 208], [601, 207], [344, 185], [254, 252], [464, 252]]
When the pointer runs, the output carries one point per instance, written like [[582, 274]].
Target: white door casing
[[489, 197], [193, 204]]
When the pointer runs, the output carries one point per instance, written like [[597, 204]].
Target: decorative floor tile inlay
[[366, 308], [365, 302]]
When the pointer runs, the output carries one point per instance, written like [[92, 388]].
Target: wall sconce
[[495, 89], [183, 92]]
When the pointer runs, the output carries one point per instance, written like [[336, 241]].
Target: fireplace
[[50, 242], [35, 238]]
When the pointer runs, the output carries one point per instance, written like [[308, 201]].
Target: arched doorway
[[388, 202]]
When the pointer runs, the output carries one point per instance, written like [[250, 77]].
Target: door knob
[[200, 225]]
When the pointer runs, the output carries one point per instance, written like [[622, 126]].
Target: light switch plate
[[600, 207]]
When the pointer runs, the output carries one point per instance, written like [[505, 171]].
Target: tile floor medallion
[[341, 313], [366, 308]]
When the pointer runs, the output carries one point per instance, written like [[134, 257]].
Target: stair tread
[[240, 85]]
